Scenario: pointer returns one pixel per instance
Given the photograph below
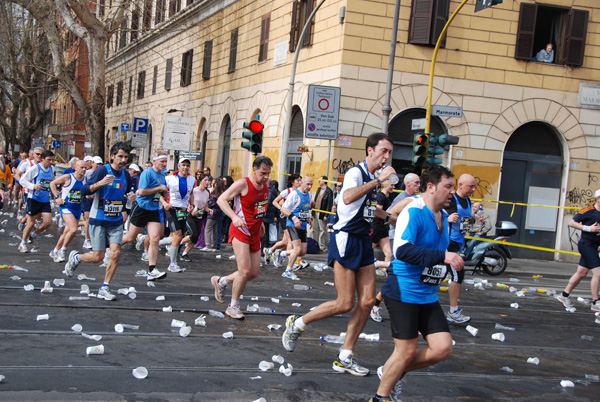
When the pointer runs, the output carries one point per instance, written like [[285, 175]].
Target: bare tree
[[79, 17], [23, 78]]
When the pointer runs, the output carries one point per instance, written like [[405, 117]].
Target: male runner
[[69, 202], [149, 213], [108, 184], [35, 157], [410, 290], [297, 211], [250, 195], [460, 216], [86, 203], [180, 200], [37, 180], [351, 253], [588, 221]]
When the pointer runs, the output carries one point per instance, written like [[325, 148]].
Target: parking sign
[[140, 125]]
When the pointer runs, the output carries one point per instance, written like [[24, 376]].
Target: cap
[[98, 160], [597, 194], [134, 167], [87, 158], [183, 160]]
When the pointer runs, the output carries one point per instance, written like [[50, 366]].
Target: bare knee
[[441, 351], [248, 274], [115, 255], [345, 305]]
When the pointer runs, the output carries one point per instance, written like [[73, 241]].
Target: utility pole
[[386, 110]]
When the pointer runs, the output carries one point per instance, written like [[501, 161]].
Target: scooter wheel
[[500, 267]]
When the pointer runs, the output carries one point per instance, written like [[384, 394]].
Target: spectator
[[271, 236], [482, 224], [206, 171], [545, 55], [214, 216], [323, 201]]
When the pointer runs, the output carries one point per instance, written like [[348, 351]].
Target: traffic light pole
[[433, 59], [288, 113]]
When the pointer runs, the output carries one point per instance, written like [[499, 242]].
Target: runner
[[351, 254], [180, 198], [69, 202], [107, 184], [196, 219], [250, 195], [35, 156], [86, 203], [37, 180], [149, 213], [297, 211]]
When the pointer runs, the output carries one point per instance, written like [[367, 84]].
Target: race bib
[[369, 211], [464, 225], [156, 197], [181, 214], [304, 215], [113, 208], [45, 184], [75, 196], [433, 276], [260, 209]]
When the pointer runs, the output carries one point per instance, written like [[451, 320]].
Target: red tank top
[[252, 207]]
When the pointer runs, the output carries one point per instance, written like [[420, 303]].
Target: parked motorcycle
[[491, 257]]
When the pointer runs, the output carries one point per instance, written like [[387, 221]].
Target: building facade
[[529, 131]]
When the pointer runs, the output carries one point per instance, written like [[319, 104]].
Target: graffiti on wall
[[580, 195], [342, 166]]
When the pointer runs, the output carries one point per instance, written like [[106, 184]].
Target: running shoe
[[60, 256], [267, 254], [21, 226], [301, 265], [276, 258], [290, 275], [291, 334], [104, 293], [144, 256], [396, 394], [457, 317], [53, 254], [595, 306], [207, 249], [156, 274], [71, 264], [23, 248], [185, 257], [566, 301], [375, 316], [235, 312], [219, 290], [349, 366], [87, 244], [175, 268], [139, 242]]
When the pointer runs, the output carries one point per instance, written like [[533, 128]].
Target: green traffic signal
[[420, 144], [434, 149], [445, 140]]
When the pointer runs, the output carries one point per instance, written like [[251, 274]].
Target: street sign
[[56, 144], [418, 124], [140, 125], [177, 134], [193, 155], [449, 111], [139, 140], [124, 127], [71, 142], [323, 112], [87, 144]]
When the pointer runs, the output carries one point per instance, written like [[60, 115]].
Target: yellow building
[[529, 131]]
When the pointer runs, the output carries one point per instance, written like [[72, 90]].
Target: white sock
[[222, 281], [55, 250], [345, 354], [173, 254], [165, 241], [63, 249], [234, 303], [453, 309], [299, 323]]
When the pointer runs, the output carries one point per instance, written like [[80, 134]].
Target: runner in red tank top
[[251, 196]]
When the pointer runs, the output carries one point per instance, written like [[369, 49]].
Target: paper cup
[[278, 359], [140, 372], [185, 331], [95, 350], [499, 336], [472, 330], [265, 365]]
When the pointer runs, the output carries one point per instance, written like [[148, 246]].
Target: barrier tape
[[551, 250]]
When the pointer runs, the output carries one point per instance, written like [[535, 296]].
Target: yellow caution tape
[[551, 250]]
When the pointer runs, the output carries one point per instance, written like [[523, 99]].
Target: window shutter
[[575, 42], [526, 31], [154, 80], [207, 59], [168, 73], [420, 22], [310, 6], [442, 10], [233, 50], [295, 23]]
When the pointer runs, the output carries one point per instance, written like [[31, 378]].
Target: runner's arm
[[237, 188]]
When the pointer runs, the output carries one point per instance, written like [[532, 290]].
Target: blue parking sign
[[140, 125]]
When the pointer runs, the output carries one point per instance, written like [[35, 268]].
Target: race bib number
[[369, 212], [112, 209], [45, 184], [464, 225], [304, 215], [75, 197], [260, 209], [156, 197], [433, 276], [181, 214]]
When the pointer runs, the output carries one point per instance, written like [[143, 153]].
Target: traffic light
[[420, 144], [254, 136], [445, 139], [435, 148]]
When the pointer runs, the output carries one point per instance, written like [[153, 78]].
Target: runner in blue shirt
[[410, 288]]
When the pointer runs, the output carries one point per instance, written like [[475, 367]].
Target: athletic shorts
[[102, 236], [350, 250], [35, 207], [297, 234], [456, 276], [140, 217], [282, 222], [408, 319], [66, 211], [175, 223], [379, 232], [253, 240], [589, 254]]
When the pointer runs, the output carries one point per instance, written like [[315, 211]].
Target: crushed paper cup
[[204, 298], [185, 331], [265, 365], [200, 321], [273, 327], [43, 317], [278, 359], [168, 309], [160, 298], [140, 372], [178, 323], [567, 384], [228, 335], [77, 328], [286, 371]]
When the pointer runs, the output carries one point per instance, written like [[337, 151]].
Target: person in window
[[545, 55]]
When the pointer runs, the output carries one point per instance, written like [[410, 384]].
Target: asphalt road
[[46, 360]]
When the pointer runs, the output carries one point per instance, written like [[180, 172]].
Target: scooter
[[491, 257]]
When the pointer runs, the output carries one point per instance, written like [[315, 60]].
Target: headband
[[160, 157]]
